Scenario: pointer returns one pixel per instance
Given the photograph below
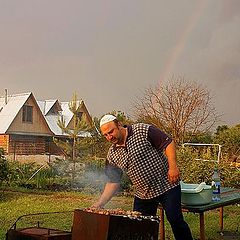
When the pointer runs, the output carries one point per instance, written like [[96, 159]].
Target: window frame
[[27, 114]]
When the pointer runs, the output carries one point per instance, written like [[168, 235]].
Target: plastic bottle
[[216, 185]]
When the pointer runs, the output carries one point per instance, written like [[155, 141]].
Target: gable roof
[[10, 106], [47, 105], [50, 110], [63, 113], [9, 110], [52, 118]]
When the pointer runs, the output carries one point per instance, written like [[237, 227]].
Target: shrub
[[3, 167], [193, 171]]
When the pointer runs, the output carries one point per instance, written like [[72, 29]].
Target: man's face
[[111, 132]]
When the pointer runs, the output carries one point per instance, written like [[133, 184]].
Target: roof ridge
[[17, 94], [46, 100], [80, 100]]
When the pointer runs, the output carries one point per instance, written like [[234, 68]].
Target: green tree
[[200, 137], [229, 138], [77, 134], [3, 167], [99, 144], [122, 117], [221, 129]]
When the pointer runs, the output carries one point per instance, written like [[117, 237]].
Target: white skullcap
[[106, 119]]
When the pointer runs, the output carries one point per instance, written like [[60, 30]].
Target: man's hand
[[173, 172], [96, 205], [173, 175], [109, 191]]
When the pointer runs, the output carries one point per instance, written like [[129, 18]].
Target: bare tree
[[179, 107]]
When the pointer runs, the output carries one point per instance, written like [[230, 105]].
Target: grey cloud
[[108, 51]]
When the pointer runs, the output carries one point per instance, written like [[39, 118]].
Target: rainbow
[[180, 45]]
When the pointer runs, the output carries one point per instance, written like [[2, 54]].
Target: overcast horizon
[[110, 51]]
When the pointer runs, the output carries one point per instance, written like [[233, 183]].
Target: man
[[138, 150]]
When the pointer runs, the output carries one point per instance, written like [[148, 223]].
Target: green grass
[[14, 204]]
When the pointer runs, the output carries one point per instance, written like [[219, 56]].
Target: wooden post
[[14, 151]]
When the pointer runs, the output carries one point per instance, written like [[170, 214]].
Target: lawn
[[14, 204]]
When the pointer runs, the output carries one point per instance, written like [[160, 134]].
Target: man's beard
[[114, 141]]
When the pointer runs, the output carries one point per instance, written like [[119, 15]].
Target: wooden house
[[27, 126]]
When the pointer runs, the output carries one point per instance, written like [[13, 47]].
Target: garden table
[[229, 196]]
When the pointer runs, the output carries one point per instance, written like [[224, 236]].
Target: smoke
[[87, 178], [91, 181]]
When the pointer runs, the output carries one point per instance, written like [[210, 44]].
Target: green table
[[229, 196]]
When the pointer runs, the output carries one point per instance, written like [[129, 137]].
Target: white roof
[[46, 105], [66, 113], [52, 119], [9, 111]]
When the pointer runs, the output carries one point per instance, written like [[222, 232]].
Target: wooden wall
[[26, 145], [4, 140], [29, 145], [38, 126]]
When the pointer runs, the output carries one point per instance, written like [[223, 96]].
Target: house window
[[27, 114], [79, 115]]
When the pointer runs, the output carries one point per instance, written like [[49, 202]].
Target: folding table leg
[[221, 219], [202, 226]]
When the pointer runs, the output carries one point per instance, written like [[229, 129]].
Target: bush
[[19, 174], [193, 171], [230, 175], [3, 167]]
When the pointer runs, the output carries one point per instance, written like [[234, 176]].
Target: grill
[[92, 226], [37, 233], [27, 227]]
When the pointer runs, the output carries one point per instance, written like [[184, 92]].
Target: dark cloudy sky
[[108, 51]]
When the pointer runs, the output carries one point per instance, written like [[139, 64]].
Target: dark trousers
[[171, 203]]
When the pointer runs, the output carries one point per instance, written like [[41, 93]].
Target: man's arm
[[173, 172], [108, 192]]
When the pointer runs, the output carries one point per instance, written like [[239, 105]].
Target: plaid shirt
[[143, 160]]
